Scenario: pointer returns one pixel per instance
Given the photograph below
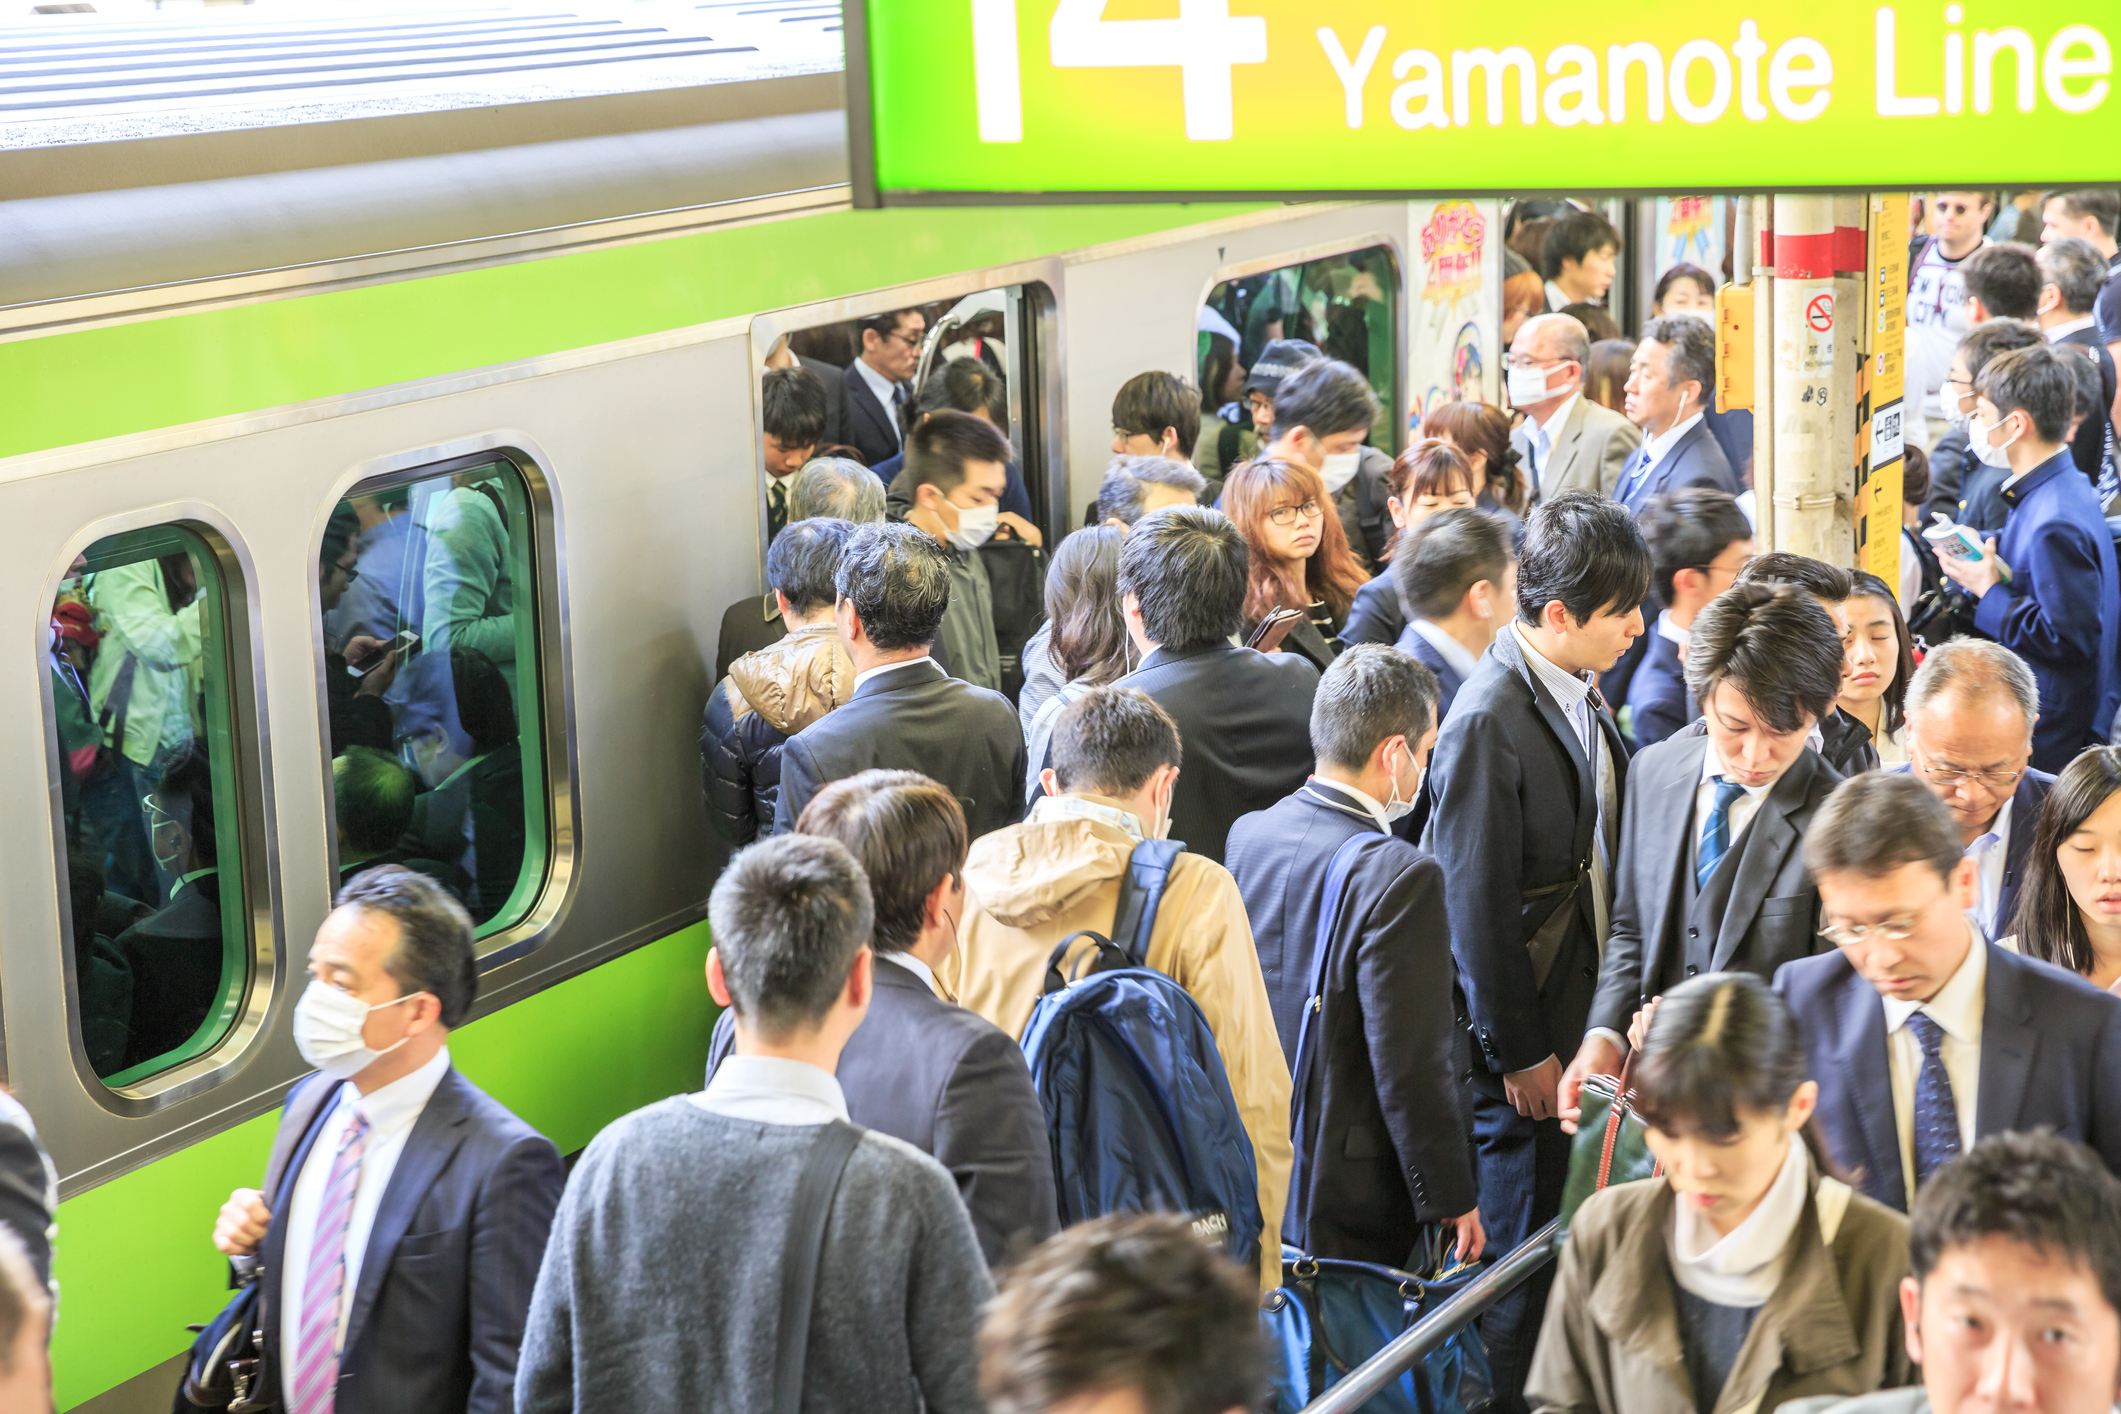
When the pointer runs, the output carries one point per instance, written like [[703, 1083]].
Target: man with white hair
[[1568, 442]]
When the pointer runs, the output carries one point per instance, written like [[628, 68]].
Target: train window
[[431, 684], [1345, 304], [140, 668]]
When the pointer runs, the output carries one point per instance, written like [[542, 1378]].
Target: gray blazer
[[1591, 447]]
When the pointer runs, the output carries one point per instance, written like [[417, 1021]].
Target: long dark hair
[[1870, 586], [1719, 1044], [1089, 641], [2047, 922]]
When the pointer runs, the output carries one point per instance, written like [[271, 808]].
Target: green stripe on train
[[134, 1262]]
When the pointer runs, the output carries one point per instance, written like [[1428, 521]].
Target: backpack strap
[[814, 1190], [1331, 900], [118, 704], [1141, 893], [1106, 959]]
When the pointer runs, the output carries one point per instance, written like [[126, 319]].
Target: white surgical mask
[[1339, 470], [1948, 396], [975, 526], [1397, 809], [1977, 433], [1527, 386], [328, 1025]]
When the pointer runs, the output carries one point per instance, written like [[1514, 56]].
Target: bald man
[[1568, 442]]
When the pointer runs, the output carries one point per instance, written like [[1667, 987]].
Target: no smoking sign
[[1819, 314]]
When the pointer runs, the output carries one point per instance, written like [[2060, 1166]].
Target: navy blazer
[[2026, 801], [953, 1085], [2050, 1058], [1658, 695], [438, 1313], [1695, 460], [1415, 646], [1375, 616], [2061, 611], [869, 426]]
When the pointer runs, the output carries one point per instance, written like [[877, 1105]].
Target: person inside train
[[1156, 414], [467, 582], [1226, 436], [25, 1332], [919, 1067], [1671, 383], [1601, 326], [1524, 820], [1605, 378], [1524, 294], [891, 586], [2047, 588], [1711, 870], [1844, 741], [829, 376], [2014, 1301], [826, 486], [1579, 255], [1089, 645], [1382, 1149], [103, 979], [1298, 559], [469, 754], [1113, 783], [1482, 434], [1963, 486], [372, 796], [1700, 541], [1919, 1017], [356, 704], [966, 385], [679, 1215], [956, 465], [1745, 1273], [1455, 576], [1323, 415], [1569, 441], [404, 1211], [2072, 272], [1128, 1314], [1276, 361], [1428, 478], [175, 954], [878, 386], [1881, 659], [2068, 911], [1685, 289], [792, 409], [773, 693], [1244, 716], [381, 598]]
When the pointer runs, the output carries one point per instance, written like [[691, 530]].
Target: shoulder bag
[[1612, 1142], [814, 1190]]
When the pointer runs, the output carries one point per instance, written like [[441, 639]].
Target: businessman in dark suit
[[1526, 796], [1456, 578], [946, 1080], [793, 411], [906, 714], [1670, 384], [1380, 1143], [1699, 540], [1244, 717], [878, 385], [454, 1194], [1924, 1036], [1711, 875]]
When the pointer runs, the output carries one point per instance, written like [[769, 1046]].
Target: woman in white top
[[1745, 1274], [2069, 908], [1877, 662]]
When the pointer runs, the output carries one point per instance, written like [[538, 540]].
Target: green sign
[[956, 100]]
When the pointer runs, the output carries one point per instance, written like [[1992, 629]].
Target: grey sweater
[[660, 1287]]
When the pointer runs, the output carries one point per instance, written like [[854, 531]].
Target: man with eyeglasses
[[1923, 1035], [878, 384], [1568, 442], [1970, 713], [1936, 298]]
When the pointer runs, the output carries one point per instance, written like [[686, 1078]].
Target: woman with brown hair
[[1482, 433], [1089, 646], [1430, 476], [2069, 909], [1605, 377], [1300, 557]]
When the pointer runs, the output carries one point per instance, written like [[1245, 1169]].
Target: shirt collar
[[1957, 1005], [1712, 768], [1673, 633], [2000, 827], [1075, 807], [1367, 801], [867, 673], [1551, 428], [2018, 485], [1456, 654], [1568, 689], [886, 391], [914, 965], [1557, 297], [395, 1106], [742, 1080], [2062, 331], [1663, 442]]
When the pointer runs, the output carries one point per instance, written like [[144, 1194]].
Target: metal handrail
[[1412, 1346]]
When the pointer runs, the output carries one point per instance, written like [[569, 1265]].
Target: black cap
[[1277, 361]]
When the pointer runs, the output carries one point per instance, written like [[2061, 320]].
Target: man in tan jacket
[[1115, 757], [1568, 442]]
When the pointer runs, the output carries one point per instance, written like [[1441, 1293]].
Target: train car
[[532, 336]]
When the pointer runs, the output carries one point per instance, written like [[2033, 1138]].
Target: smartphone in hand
[[403, 645]]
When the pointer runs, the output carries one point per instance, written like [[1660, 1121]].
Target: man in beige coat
[[1568, 442], [1115, 757]]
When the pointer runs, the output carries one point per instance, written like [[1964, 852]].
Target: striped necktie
[[316, 1366], [1936, 1109]]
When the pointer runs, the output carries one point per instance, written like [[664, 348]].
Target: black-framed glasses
[[1289, 515]]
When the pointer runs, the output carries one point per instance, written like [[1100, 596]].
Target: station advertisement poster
[[1883, 440], [1454, 304], [1058, 99]]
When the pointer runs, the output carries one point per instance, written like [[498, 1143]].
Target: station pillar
[[1813, 399]]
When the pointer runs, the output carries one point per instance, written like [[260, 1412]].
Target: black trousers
[[1521, 1166]]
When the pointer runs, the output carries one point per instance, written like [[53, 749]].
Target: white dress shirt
[[886, 393], [1673, 633], [391, 1112], [1574, 696], [1743, 809], [1456, 654], [876, 672], [1540, 436], [1957, 1009], [1653, 450], [1557, 298], [1371, 805], [772, 1090], [1989, 850]]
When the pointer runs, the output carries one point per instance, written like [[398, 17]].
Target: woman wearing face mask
[[1685, 289], [2069, 908], [1429, 477], [1300, 558], [1744, 1275], [1880, 658]]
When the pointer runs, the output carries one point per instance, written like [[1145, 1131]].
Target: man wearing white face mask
[[1568, 442], [1959, 487], [1381, 1149], [1323, 411], [387, 1158], [1669, 386], [958, 467]]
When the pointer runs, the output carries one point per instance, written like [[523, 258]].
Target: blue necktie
[[1716, 839], [1936, 1113], [1632, 471]]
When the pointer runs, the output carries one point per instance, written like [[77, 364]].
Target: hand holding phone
[[363, 664]]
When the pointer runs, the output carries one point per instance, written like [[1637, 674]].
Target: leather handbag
[[1612, 1142], [228, 1370], [1329, 1316]]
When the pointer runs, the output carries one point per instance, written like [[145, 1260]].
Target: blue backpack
[[1139, 1111]]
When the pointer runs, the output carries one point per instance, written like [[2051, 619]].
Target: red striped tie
[[316, 1368]]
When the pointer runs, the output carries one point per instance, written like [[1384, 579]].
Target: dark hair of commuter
[[340, 532], [1218, 362], [1572, 236], [1605, 373], [1828, 583], [1110, 740], [789, 914], [485, 707], [1132, 1303], [1149, 402], [2005, 278], [1121, 495], [802, 559], [1431, 467], [1477, 428], [1089, 639], [188, 781], [1774, 645], [1914, 476], [2048, 924], [1583, 549], [1687, 529], [938, 449], [1527, 240], [2034, 381], [792, 406], [434, 952], [1701, 279], [965, 385], [2039, 1190], [1444, 556], [1368, 695], [1690, 353], [883, 325], [1598, 325], [896, 578], [1993, 337], [1326, 396], [1876, 823], [23, 1299], [2090, 390], [373, 794], [1865, 585], [1254, 491], [2101, 204], [2076, 270], [1189, 569], [908, 834]]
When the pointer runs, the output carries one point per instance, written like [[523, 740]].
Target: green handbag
[[1612, 1144]]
